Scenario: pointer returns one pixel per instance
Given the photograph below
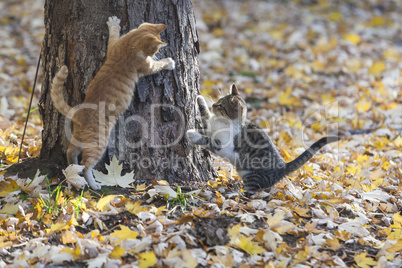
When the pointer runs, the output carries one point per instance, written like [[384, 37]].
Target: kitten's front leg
[[152, 66], [203, 107], [197, 138], [113, 24]]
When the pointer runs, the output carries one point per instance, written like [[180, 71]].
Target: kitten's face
[[148, 39], [231, 106]]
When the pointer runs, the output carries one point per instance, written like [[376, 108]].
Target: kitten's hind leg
[[253, 182], [91, 156], [89, 177], [113, 24], [72, 154]]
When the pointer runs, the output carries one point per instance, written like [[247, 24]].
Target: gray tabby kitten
[[229, 134]]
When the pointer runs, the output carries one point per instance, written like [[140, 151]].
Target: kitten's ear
[[234, 90], [159, 43], [234, 100], [160, 27]]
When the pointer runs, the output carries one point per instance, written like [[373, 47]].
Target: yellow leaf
[[363, 106], [397, 218], [301, 211], [160, 210], [332, 244], [353, 65], [352, 38], [391, 53], [233, 233], [9, 208], [141, 187], [246, 244], [301, 256], [248, 90], [362, 159], [124, 233], [285, 98], [326, 98], [378, 21], [398, 142], [335, 16], [397, 247], [59, 226], [377, 68], [309, 169], [147, 259], [191, 262], [104, 201], [75, 252], [117, 252], [363, 261], [276, 219], [317, 126], [218, 32], [353, 170], [7, 186], [68, 238], [318, 66], [380, 143], [135, 208], [264, 124]]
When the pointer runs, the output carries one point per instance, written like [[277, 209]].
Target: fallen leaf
[[114, 177]]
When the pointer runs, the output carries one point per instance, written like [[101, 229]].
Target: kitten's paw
[[91, 180], [193, 135], [63, 72], [170, 64], [94, 185], [113, 22], [201, 101]]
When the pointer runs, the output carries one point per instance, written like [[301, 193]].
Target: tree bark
[[150, 137]]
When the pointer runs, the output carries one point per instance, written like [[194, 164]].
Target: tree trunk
[[150, 137]]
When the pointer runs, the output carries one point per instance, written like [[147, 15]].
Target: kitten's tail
[[308, 154], [57, 92]]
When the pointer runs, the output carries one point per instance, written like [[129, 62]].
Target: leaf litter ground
[[307, 69]]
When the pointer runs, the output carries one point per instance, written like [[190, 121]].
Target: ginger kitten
[[230, 135], [110, 92]]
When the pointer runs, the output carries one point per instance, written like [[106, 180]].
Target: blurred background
[[306, 68]]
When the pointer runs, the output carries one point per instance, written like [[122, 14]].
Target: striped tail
[[308, 154], [57, 92]]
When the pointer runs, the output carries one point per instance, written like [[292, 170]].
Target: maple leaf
[[285, 98], [377, 68], [114, 177], [72, 176], [246, 244], [104, 201], [146, 259], [363, 261], [332, 244], [68, 237], [9, 208], [7, 186], [29, 186], [117, 252], [363, 106], [135, 208], [74, 252], [124, 233], [352, 38], [165, 190]]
